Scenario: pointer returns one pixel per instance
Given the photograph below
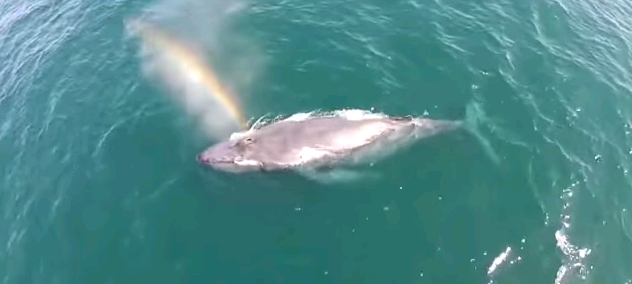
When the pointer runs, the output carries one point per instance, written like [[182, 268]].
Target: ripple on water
[[591, 84], [37, 127], [570, 68]]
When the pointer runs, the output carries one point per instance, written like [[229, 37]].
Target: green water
[[100, 184]]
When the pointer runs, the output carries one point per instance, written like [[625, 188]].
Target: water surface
[[100, 185]]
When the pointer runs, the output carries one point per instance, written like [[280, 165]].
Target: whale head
[[231, 156]]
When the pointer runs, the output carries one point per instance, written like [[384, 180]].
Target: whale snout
[[218, 156], [201, 159], [208, 160]]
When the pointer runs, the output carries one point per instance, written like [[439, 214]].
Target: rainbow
[[192, 63]]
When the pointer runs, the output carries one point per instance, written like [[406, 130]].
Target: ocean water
[[100, 185]]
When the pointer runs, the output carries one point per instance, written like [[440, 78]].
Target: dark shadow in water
[[276, 188]]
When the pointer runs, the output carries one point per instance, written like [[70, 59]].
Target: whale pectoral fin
[[339, 175]]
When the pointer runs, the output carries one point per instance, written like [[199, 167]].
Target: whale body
[[321, 145]]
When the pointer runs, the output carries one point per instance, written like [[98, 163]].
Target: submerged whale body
[[322, 146]]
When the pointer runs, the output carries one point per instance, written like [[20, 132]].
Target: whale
[[326, 146]]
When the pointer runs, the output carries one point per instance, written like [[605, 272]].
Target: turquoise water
[[100, 184]]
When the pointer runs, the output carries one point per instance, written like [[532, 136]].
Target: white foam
[[301, 116], [499, 260]]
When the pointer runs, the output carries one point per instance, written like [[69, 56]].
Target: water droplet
[[326, 272], [523, 240], [584, 252], [421, 274], [386, 208]]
